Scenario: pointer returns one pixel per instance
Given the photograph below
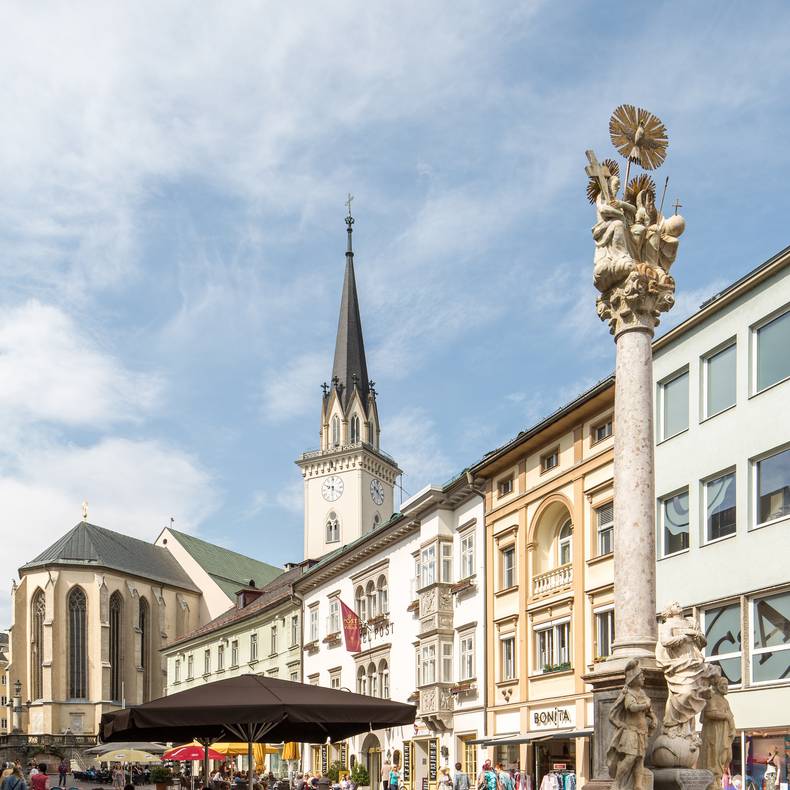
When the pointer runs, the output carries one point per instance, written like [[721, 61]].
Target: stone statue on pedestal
[[688, 675], [718, 730], [633, 720]]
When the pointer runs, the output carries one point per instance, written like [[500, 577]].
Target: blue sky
[[172, 180]]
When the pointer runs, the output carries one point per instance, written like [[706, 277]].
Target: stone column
[[634, 497]]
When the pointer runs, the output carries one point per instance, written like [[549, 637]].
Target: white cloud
[[413, 441], [53, 370], [294, 390]]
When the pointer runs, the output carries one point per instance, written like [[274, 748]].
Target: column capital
[[636, 302]]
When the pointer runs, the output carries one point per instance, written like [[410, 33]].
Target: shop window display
[[771, 638], [722, 626]]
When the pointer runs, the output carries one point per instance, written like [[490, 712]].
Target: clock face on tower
[[376, 491], [332, 488]]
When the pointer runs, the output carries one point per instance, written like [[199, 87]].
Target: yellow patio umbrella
[[259, 751], [127, 756], [292, 751]]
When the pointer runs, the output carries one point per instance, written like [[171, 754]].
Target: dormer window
[[336, 431], [566, 538], [332, 528], [355, 432]]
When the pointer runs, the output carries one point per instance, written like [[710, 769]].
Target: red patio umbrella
[[192, 751]]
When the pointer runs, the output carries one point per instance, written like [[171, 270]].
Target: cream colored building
[[89, 617], [261, 634], [549, 581]]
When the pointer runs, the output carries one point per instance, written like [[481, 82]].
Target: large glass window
[[466, 661], [771, 638], [314, 624], [720, 507], [773, 487], [674, 405], [720, 382], [447, 561], [508, 658], [604, 630], [78, 644], [447, 662], [508, 567], [467, 555], [428, 566], [428, 669], [566, 543], [553, 647], [604, 517], [773, 351], [675, 518], [722, 626]]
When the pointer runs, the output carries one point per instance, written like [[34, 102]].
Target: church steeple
[[350, 369]]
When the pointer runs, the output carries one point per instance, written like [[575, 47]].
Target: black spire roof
[[350, 368]]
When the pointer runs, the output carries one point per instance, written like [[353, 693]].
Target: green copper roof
[[229, 569]]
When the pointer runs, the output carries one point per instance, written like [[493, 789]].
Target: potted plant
[[359, 776], [161, 777], [334, 771]]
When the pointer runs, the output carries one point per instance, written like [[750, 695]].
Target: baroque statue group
[[635, 246]]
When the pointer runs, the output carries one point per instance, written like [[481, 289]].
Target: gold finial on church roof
[[84, 509]]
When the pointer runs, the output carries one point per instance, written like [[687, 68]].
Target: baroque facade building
[[549, 584], [723, 496]]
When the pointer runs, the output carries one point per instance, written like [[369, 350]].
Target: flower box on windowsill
[[464, 584], [551, 668], [463, 686], [331, 639]]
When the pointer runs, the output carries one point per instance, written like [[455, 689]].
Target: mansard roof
[[229, 569], [90, 546]]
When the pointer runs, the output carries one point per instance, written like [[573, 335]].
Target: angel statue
[[635, 244], [633, 721]]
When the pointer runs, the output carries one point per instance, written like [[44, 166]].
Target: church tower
[[348, 482]]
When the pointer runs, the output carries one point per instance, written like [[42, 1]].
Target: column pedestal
[[681, 778], [607, 681]]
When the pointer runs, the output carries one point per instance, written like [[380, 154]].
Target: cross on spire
[[348, 203]]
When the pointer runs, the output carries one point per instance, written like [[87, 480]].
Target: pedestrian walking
[[40, 780], [63, 772], [460, 779], [118, 777], [487, 779]]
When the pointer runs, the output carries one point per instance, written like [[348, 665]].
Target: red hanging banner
[[352, 629]]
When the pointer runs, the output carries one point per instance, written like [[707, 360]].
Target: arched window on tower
[[332, 528], [336, 431], [145, 647], [78, 644], [362, 609], [116, 660], [38, 608], [355, 432], [566, 543]]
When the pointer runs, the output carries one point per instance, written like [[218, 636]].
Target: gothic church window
[[37, 612], [116, 673], [332, 528], [145, 645], [355, 432], [78, 644], [336, 431]]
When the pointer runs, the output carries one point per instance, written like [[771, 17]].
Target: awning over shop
[[516, 738]]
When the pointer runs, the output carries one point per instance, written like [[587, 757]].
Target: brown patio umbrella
[[255, 709]]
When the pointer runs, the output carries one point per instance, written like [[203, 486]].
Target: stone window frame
[[470, 633], [467, 532], [313, 622], [551, 625], [360, 582], [362, 664]]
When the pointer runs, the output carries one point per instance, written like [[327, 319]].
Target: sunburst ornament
[[637, 185], [639, 136], [594, 187]]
